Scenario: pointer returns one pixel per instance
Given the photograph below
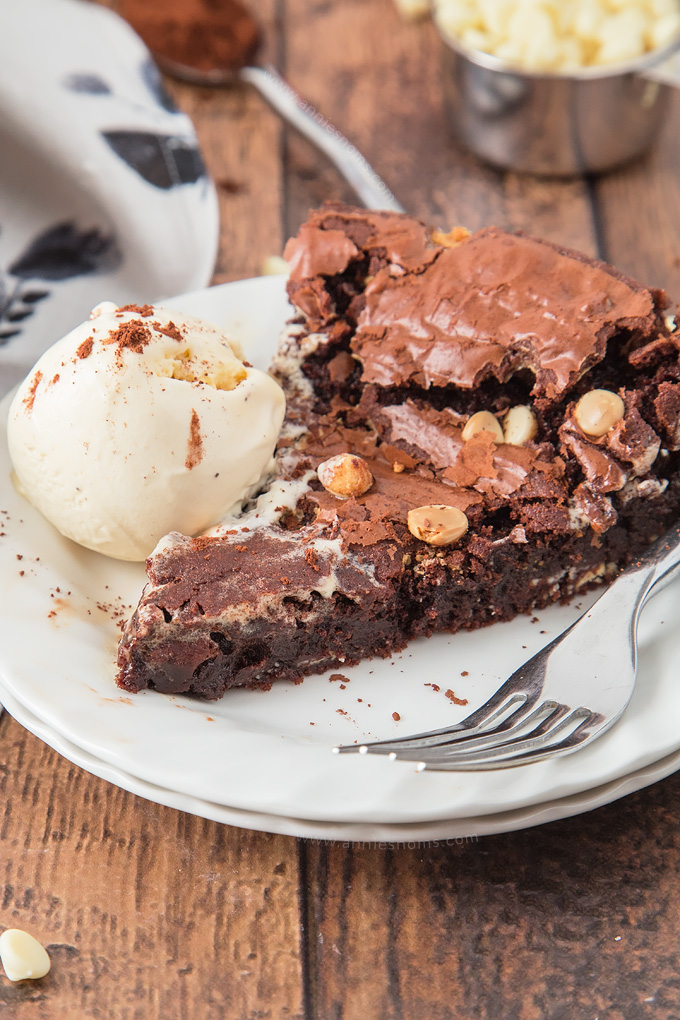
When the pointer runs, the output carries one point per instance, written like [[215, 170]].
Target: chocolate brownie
[[477, 426]]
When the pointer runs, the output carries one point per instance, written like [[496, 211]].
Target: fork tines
[[509, 736]]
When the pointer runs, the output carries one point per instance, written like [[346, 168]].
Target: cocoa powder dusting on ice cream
[[85, 349], [30, 396], [144, 310], [130, 336], [195, 444], [170, 329]]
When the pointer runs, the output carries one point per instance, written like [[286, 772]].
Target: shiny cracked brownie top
[[477, 306], [417, 331]]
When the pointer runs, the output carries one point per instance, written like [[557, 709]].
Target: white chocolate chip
[[560, 35], [437, 524], [275, 265], [22, 956], [622, 37], [519, 425], [598, 411], [483, 421], [412, 10], [103, 307], [663, 31], [345, 475], [659, 8]]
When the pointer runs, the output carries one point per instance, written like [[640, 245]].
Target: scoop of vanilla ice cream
[[140, 422]]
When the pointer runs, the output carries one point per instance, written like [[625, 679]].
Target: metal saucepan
[[557, 124]]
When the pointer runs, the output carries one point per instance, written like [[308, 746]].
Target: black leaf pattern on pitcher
[[88, 82], [58, 253], [17, 302], [165, 161], [65, 251]]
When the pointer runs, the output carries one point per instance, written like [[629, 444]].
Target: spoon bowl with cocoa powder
[[215, 43]]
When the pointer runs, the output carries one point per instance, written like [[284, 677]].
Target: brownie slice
[[402, 334]]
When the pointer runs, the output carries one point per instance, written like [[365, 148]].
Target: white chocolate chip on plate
[[275, 265], [22, 956]]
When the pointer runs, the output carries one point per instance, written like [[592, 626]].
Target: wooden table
[[150, 913]]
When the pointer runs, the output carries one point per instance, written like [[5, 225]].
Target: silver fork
[[591, 666]]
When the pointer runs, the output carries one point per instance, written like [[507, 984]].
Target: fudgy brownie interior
[[477, 426]]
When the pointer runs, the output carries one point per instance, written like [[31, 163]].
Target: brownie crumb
[[338, 677], [456, 700], [396, 717], [312, 559]]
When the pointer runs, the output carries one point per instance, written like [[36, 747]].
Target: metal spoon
[[371, 190]]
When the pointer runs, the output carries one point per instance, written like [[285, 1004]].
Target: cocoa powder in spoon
[[202, 34]]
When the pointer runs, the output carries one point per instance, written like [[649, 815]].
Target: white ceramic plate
[[455, 831], [259, 752]]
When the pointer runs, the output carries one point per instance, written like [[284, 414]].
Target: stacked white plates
[[263, 759]]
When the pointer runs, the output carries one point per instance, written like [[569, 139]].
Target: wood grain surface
[[151, 913]]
